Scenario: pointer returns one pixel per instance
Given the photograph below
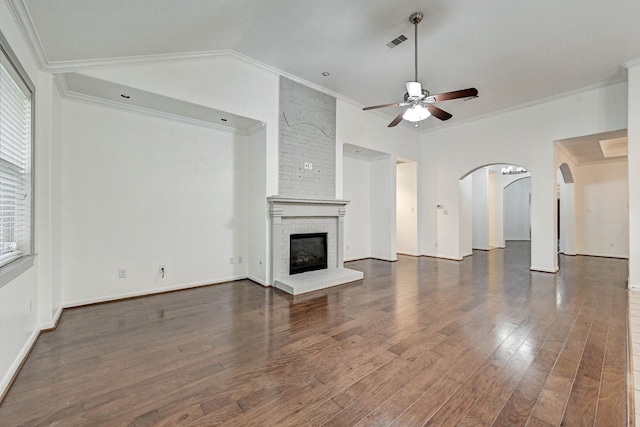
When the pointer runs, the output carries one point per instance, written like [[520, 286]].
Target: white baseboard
[[408, 253], [258, 281], [153, 291], [603, 255], [452, 258], [54, 322], [9, 376], [545, 270]]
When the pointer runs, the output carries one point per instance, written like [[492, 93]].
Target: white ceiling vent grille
[[395, 42]]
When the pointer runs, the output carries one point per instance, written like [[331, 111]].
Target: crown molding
[[155, 113], [529, 104], [632, 64], [23, 19], [61, 83], [566, 152], [255, 127]]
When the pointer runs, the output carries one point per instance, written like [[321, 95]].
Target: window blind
[[15, 164]]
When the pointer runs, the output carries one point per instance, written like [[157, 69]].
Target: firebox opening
[[307, 252]]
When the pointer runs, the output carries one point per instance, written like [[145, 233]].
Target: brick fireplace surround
[[294, 216]]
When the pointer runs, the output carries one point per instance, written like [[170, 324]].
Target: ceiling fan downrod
[[415, 19]]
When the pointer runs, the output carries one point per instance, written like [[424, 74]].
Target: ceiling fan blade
[[414, 89], [438, 113], [396, 104], [472, 92], [398, 118]]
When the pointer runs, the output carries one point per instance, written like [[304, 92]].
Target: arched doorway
[[484, 210]]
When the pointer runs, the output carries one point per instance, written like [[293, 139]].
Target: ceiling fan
[[418, 102]]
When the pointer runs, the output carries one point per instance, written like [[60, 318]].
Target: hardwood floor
[[418, 342]]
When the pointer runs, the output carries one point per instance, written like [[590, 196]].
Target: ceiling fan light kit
[[418, 102], [416, 113]]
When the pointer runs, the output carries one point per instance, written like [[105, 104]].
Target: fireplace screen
[[307, 252]]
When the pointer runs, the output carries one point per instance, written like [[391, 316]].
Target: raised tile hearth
[[295, 216]]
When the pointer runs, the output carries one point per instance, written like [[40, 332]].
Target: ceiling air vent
[[395, 42]]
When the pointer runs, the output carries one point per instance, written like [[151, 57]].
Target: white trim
[[631, 64], [153, 291], [255, 127], [10, 271], [53, 323], [23, 19], [545, 270], [258, 281], [558, 144], [11, 373], [603, 255], [407, 253], [149, 112], [61, 82], [451, 258], [526, 105]]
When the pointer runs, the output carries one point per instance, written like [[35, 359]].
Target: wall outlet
[[612, 245], [310, 166], [240, 260], [231, 260], [122, 273]]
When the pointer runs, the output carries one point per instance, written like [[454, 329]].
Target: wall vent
[[395, 42]]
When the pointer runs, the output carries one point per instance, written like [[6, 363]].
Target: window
[[16, 140]]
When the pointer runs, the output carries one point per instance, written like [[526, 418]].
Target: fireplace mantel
[[294, 215]]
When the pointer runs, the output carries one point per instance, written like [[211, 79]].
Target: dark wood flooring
[[418, 342]]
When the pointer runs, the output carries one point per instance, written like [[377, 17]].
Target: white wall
[[138, 192], [516, 210], [566, 194], [224, 82], [602, 213], [567, 219], [480, 201], [406, 208], [367, 129], [382, 205], [491, 204], [633, 133], [258, 227], [357, 220], [30, 301], [522, 137], [500, 183], [466, 215]]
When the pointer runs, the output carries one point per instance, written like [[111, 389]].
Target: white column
[[275, 216], [340, 237]]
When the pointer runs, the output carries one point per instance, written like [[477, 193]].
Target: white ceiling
[[588, 149], [513, 52]]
